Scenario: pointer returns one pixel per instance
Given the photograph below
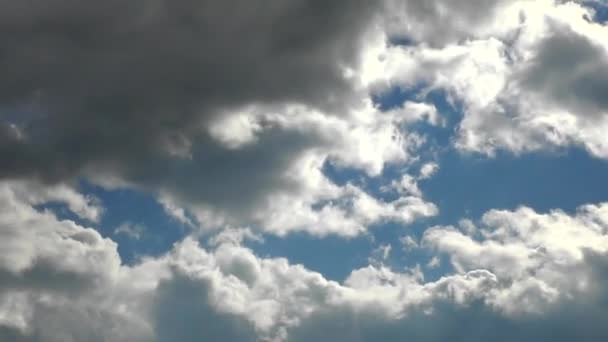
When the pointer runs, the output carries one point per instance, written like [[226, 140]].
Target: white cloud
[[380, 254], [518, 269], [45, 240], [408, 243], [33, 192], [236, 130], [434, 262], [533, 78], [131, 230], [428, 170], [301, 197], [535, 253], [348, 213]]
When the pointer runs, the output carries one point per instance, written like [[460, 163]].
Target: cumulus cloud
[[46, 242], [514, 276], [533, 78], [530, 251]]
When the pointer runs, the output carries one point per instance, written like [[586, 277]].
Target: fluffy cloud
[[48, 269], [284, 153], [533, 253], [514, 275], [533, 78], [46, 247]]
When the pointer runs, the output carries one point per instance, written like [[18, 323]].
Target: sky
[[302, 170]]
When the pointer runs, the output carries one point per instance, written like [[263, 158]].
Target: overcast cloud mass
[[248, 122]]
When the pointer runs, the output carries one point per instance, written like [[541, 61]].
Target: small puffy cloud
[[407, 185], [131, 230], [408, 243], [428, 170], [434, 262], [380, 254]]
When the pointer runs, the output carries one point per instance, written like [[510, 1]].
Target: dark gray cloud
[[69, 322], [43, 275], [110, 88], [460, 19], [452, 323], [113, 86], [569, 71], [183, 313]]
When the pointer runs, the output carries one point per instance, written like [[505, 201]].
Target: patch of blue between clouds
[[468, 186], [160, 231], [449, 109], [402, 41], [601, 10], [134, 208]]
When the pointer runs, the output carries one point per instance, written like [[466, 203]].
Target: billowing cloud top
[[247, 120]]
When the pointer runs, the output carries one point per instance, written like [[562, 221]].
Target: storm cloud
[[125, 92], [116, 83]]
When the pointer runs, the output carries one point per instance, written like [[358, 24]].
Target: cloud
[[182, 98], [182, 304], [532, 79], [530, 251], [86, 207], [577, 87], [227, 116], [133, 231], [286, 189], [515, 275], [59, 251], [49, 269], [417, 20]]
